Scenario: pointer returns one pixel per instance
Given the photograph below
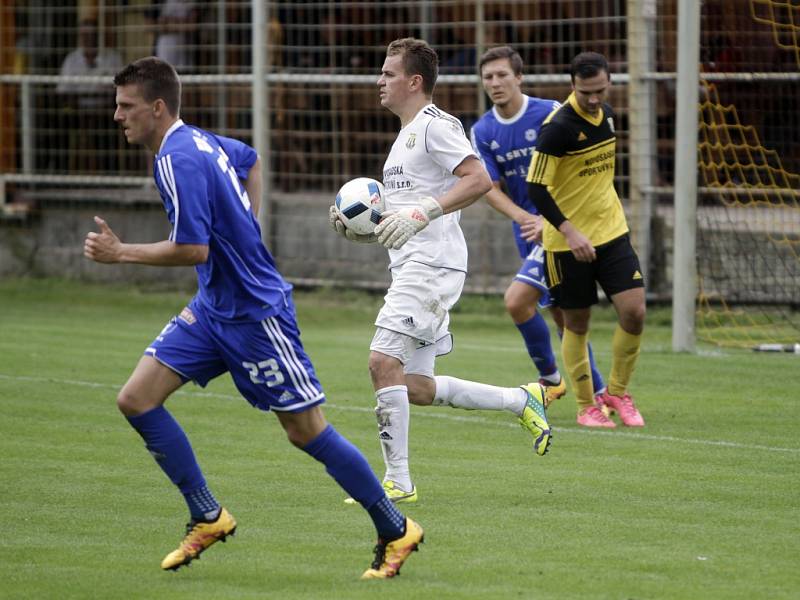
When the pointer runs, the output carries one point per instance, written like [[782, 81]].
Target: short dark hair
[[502, 52], [157, 79], [418, 59], [587, 64]]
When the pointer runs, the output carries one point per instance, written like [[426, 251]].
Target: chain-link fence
[[61, 154]]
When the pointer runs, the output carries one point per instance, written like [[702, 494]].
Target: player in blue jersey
[[505, 137], [241, 320]]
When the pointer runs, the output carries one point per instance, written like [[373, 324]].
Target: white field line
[[435, 414]]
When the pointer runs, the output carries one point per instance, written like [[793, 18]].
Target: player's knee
[[296, 437], [128, 403], [578, 327], [633, 319], [383, 368], [421, 393], [375, 366], [518, 308]]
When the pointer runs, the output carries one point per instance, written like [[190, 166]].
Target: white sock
[[553, 378], [470, 395], [393, 416]]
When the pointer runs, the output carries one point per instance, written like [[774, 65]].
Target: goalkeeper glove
[[339, 227], [397, 227]]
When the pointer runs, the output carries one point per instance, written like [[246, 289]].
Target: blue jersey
[[200, 178], [505, 146]]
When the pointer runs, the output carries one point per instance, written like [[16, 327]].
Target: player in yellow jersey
[[586, 237]]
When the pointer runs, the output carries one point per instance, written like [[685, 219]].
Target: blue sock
[[345, 463], [597, 379], [169, 445], [536, 335]]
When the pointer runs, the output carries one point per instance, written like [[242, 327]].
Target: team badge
[[411, 141], [530, 134], [187, 316]]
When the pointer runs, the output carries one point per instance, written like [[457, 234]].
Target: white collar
[[514, 118], [173, 127]]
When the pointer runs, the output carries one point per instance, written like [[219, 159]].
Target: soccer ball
[[360, 204]]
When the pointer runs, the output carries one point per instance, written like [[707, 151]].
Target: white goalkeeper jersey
[[421, 163]]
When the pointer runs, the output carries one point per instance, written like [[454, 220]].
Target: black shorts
[[573, 284]]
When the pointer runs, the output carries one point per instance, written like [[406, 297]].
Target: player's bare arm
[[530, 225], [473, 182], [105, 247], [254, 186]]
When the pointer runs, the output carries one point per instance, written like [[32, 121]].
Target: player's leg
[[522, 298], [184, 353], [141, 401], [397, 535], [630, 306], [284, 381], [389, 350], [573, 288], [620, 276], [598, 383], [426, 389], [527, 402], [404, 322]]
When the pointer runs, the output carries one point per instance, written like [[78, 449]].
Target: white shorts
[[417, 307], [418, 357]]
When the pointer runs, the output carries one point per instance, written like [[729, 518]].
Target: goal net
[[748, 216]]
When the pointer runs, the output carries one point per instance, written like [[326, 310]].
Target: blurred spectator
[[86, 109], [176, 30], [88, 59]]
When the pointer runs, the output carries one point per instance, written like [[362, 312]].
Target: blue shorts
[[265, 358], [532, 273]]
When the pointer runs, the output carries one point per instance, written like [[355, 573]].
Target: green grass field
[[701, 503]]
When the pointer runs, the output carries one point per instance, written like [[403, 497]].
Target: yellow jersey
[[575, 158]]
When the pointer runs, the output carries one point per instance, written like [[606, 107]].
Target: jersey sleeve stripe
[[173, 193], [168, 180], [538, 159], [539, 167], [294, 367]]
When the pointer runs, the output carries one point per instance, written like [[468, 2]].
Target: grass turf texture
[[702, 503]]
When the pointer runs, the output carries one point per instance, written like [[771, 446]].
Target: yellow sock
[[624, 352], [576, 361]]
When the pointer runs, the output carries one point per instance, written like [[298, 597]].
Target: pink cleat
[[625, 408], [594, 417], [598, 400]]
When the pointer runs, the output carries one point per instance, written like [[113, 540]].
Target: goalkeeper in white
[[430, 174]]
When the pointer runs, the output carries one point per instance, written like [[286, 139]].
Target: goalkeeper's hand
[[397, 227], [339, 227]]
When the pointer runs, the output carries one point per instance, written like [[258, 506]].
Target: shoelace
[[627, 402], [190, 546], [380, 554]]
